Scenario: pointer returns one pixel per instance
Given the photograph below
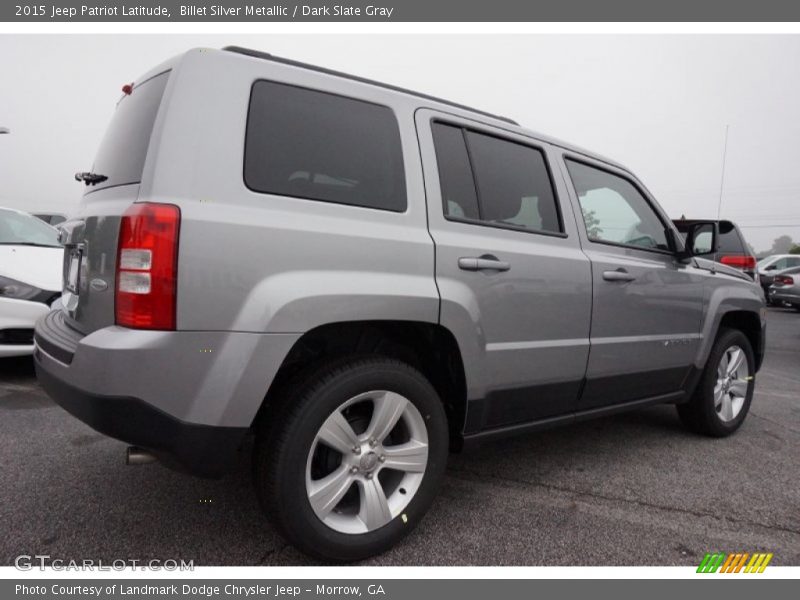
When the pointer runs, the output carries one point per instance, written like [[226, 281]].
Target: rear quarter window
[[123, 151], [320, 146]]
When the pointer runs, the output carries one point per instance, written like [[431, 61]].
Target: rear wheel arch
[[429, 347]]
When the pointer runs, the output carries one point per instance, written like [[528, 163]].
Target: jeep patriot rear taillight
[[147, 266]]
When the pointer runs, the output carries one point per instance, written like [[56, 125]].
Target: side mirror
[[771, 268], [700, 239]]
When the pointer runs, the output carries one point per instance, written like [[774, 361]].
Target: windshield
[[19, 228]]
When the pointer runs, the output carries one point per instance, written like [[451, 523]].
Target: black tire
[[699, 414], [285, 438]]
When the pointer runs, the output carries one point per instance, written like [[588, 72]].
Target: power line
[[771, 226]]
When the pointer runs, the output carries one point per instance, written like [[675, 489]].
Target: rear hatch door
[[90, 239]]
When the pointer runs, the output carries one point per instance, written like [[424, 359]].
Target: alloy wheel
[[733, 379], [367, 462]]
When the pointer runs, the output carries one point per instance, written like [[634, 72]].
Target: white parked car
[[31, 260], [778, 262]]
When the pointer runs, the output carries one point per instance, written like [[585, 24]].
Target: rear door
[[647, 307], [515, 286]]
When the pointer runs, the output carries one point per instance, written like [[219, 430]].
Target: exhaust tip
[[138, 456]]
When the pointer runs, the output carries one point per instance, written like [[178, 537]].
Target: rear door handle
[[618, 275], [482, 263]]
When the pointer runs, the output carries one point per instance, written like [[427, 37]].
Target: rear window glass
[[320, 146], [455, 174], [493, 181], [729, 240], [124, 148], [513, 184]]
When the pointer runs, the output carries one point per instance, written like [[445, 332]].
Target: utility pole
[[722, 178]]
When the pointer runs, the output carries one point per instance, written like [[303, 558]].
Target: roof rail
[[302, 65]]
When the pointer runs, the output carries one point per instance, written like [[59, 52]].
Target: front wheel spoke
[[326, 493], [736, 359], [337, 433], [374, 511], [388, 408], [722, 370], [727, 408], [718, 394], [411, 457]]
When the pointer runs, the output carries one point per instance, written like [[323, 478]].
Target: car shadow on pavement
[[18, 368]]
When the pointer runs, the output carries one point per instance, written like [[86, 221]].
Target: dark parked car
[[731, 247]]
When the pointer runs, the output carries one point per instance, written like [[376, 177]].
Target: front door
[[647, 307]]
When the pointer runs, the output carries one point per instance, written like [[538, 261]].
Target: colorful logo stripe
[[734, 563]]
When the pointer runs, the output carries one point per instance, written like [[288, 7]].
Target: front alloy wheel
[[733, 379]]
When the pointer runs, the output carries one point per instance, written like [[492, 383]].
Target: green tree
[[782, 245], [593, 229], [795, 249]]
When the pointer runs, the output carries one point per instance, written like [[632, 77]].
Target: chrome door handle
[[618, 275], [482, 263]]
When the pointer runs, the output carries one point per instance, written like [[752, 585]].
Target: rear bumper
[[202, 450], [189, 397]]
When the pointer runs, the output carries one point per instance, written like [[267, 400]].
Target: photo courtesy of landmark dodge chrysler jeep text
[[367, 278]]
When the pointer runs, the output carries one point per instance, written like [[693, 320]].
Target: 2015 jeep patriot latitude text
[[368, 278]]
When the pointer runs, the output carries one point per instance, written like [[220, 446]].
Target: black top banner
[[406, 11]]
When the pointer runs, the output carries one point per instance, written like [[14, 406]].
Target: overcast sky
[[658, 104]]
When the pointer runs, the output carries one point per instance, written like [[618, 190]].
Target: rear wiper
[[90, 178]]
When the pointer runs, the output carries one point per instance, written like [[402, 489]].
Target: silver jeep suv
[[368, 278]]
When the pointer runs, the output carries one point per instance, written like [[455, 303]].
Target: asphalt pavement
[[634, 489]]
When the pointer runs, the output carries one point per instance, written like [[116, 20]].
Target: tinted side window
[[514, 187], [614, 210], [455, 175], [320, 146]]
